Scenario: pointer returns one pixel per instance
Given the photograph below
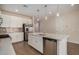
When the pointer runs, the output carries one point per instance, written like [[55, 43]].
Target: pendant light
[[38, 15], [45, 6], [38, 20], [58, 14]]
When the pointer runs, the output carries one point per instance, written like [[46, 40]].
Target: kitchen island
[[36, 41]]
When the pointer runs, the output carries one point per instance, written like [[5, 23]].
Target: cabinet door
[[39, 44], [16, 36], [36, 42], [30, 40]]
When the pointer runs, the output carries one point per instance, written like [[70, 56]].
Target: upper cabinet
[[14, 21]]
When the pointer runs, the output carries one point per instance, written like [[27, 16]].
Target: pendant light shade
[[57, 14], [38, 19], [46, 17]]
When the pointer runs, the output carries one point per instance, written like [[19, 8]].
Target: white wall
[[69, 24], [48, 25]]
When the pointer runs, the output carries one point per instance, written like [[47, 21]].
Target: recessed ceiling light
[[16, 10]]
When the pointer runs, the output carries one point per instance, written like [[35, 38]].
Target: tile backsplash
[[10, 29]]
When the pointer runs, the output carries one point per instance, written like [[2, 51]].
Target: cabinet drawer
[[36, 42]]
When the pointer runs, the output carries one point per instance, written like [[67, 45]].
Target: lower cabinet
[[16, 36], [36, 42]]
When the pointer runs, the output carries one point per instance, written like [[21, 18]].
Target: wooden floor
[[22, 48]]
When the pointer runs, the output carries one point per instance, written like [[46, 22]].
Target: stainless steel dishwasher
[[50, 46]]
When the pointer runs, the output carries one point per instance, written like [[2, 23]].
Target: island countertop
[[36, 41], [51, 35]]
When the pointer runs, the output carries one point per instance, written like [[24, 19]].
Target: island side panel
[[62, 46], [36, 42]]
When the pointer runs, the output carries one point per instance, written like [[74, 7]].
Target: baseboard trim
[[16, 42], [36, 49]]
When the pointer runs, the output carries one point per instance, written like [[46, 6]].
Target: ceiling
[[44, 10]]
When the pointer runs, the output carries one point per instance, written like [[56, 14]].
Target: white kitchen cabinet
[[36, 42], [16, 36]]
